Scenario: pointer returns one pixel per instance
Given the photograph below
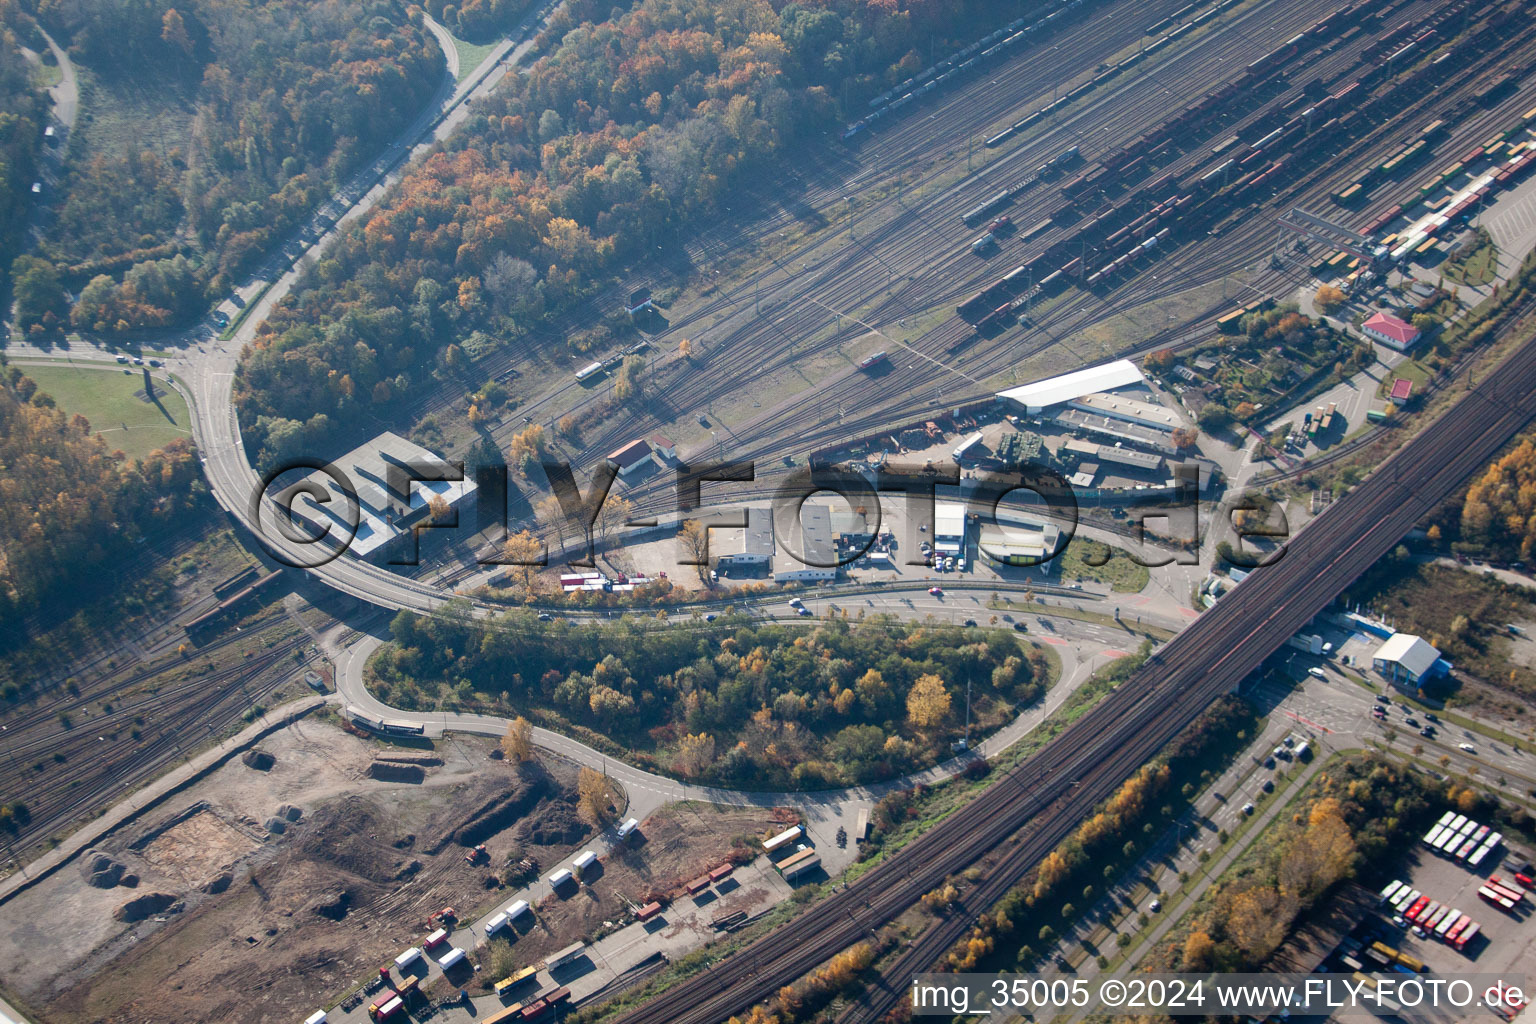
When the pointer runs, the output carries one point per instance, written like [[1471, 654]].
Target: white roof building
[[1405, 658], [1043, 394], [948, 527], [385, 499]]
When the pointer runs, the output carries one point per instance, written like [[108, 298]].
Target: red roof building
[[1401, 389], [1391, 331], [631, 457]]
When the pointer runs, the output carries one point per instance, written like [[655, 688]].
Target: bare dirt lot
[[266, 890]]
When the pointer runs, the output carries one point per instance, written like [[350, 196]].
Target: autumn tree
[[1184, 438], [694, 538], [614, 514], [440, 509], [928, 702], [1161, 359], [695, 753], [517, 743], [1499, 512], [1328, 298], [685, 349], [595, 797], [525, 552], [1199, 952]]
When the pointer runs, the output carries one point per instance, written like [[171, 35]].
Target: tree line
[[740, 703], [286, 98], [73, 504], [23, 113], [639, 123]]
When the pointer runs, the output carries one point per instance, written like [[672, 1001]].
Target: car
[[122, 359], [1430, 715], [1411, 722], [1399, 920], [1469, 748], [545, 617], [936, 591], [802, 611], [1268, 786], [711, 617], [220, 318], [1382, 698], [1248, 808], [1019, 627], [970, 622], [1317, 673], [1289, 741], [795, 602], [1155, 906], [1420, 932], [138, 360]]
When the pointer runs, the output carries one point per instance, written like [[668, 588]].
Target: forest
[[479, 21], [639, 123], [1498, 517], [23, 112], [740, 703], [285, 97], [73, 505]]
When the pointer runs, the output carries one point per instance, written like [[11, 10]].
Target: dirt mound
[[424, 760], [218, 883], [140, 907], [258, 759], [554, 823], [505, 810], [353, 836], [277, 826], [100, 870], [389, 771], [333, 906], [289, 812]]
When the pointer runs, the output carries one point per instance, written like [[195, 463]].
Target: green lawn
[[1408, 369], [1479, 265], [106, 398], [471, 54]]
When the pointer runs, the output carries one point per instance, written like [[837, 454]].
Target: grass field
[[1479, 265], [471, 54], [1118, 570], [106, 398]]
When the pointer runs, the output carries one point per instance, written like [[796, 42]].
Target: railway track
[[1048, 794]]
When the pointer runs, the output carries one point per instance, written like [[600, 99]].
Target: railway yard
[[1036, 203]]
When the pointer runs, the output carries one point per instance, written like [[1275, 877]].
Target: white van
[[1317, 673]]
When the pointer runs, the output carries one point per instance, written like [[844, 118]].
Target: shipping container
[[516, 978], [784, 838], [801, 869], [569, 955]]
